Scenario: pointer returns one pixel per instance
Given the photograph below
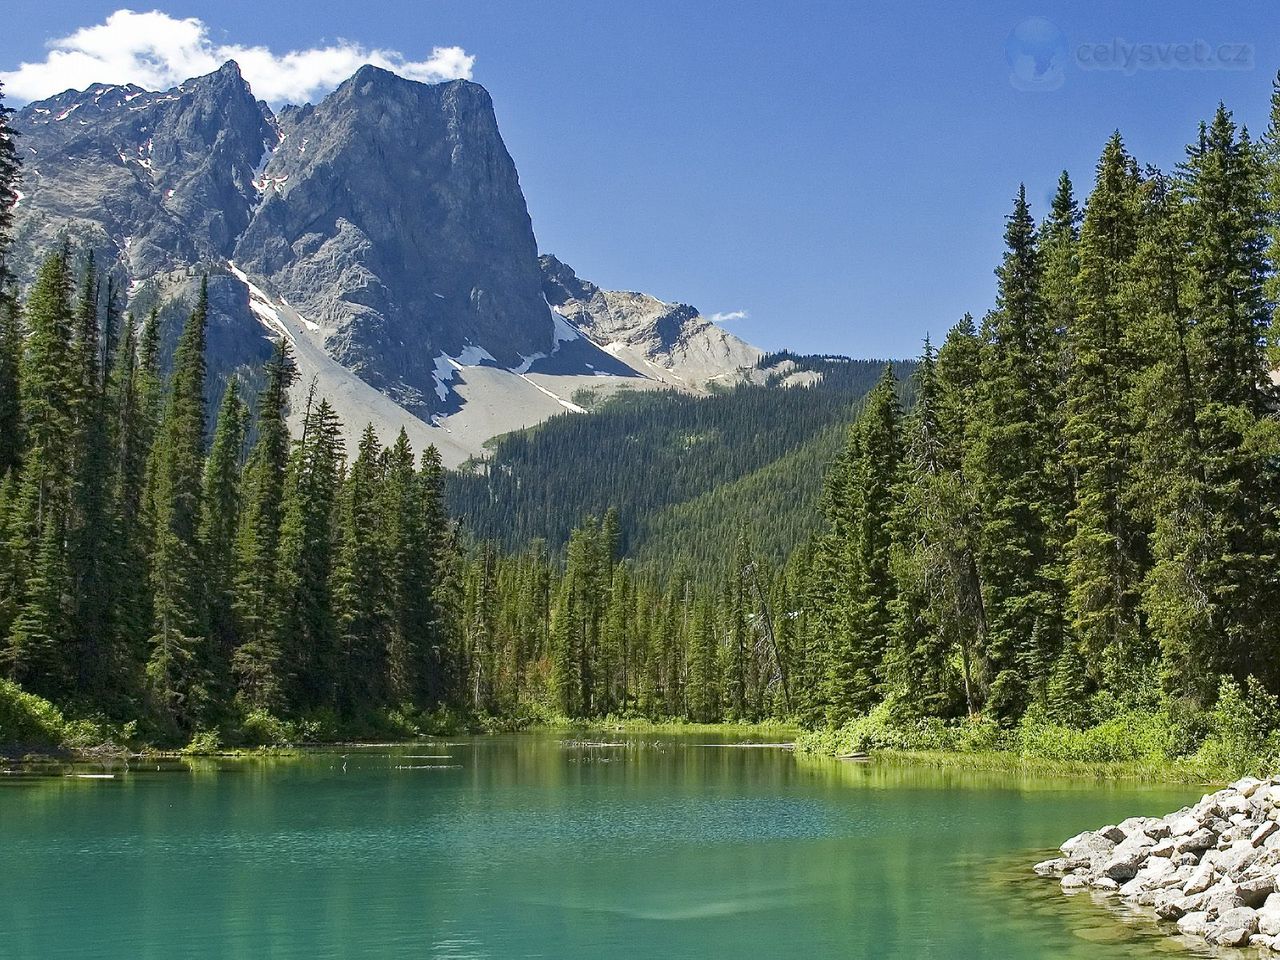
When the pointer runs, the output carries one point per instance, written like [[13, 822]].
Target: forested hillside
[[1070, 535], [683, 471]]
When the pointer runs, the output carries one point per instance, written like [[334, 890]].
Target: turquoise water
[[528, 846]]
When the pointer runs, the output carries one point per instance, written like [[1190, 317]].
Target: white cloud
[[728, 317], [157, 51]]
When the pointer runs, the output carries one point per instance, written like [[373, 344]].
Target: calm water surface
[[530, 846]]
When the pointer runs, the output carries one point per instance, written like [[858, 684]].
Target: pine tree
[[257, 662], [1223, 183], [37, 652], [958, 531], [360, 565], [134, 400], [1269, 156], [177, 668], [307, 631], [434, 571], [1009, 460], [407, 546], [93, 543], [10, 385], [1106, 554], [864, 523], [220, 510], [923, 627]]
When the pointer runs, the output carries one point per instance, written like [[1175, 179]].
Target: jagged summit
[[670, 340], [383, 230]]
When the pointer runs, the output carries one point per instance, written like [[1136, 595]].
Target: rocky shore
[[1212, 869]]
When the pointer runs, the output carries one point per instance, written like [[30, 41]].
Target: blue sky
[[837, 170]]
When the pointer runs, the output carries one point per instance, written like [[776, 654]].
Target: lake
[[536, 846]]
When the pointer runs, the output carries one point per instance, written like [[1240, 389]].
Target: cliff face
[[152, 181], [382, 231], [392, 218]]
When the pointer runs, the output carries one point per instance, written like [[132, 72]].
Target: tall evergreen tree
[[434, 569], [132, 384], [257, 662], [93, 542], [1223, 182], [177, 668], [872, 468], [307, 632], [220, 511], [37, 651], [406, 544], [1009, 461], [919, 659], [1106, 555], [10, 390], [358, 573]]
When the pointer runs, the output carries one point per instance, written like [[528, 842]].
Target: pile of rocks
[[1214, 868]]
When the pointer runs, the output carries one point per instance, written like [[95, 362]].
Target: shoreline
[[1003, 761], [1209, 871], [18, 755]]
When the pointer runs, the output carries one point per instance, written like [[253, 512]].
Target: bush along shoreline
[[1145, 735], [1212, 869]]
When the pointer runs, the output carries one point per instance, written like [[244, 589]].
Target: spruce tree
[[856, 673], [10, 388], [359, 569], [434, 572], [257, 663], [407, 546], [958, 513], [1106, 553], [1009, 459], [178, 665], [1223, 182], [307, 633], [93, 543], [134, 389], [37, 651], [918, 661], [220, 511]]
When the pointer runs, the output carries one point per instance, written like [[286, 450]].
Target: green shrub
[[261, 728], [27, 720], [203, 743], [1242, 735]]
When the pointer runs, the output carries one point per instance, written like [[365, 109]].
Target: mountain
[[669, 341], [383, 231]]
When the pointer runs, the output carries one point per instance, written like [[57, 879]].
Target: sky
[[825, 176]]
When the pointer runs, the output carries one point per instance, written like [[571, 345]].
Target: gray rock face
[[652, 335], [392, 218], [152, 181], [383, 231]]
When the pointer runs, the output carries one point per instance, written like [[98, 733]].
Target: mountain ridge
[[385, 226]]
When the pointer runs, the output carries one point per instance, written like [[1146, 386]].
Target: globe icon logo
[[1037, 53]]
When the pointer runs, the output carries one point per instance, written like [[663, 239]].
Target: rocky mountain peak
[[382, 231], [650, 334], [392, 218]]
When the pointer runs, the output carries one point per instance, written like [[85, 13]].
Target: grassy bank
[[777, 730], [1007, 762], [1158, 739], [31, 726]]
